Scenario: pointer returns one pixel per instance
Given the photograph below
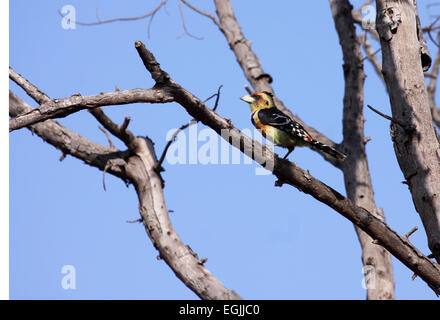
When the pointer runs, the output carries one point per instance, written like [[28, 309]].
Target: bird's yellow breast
[[278, 137]]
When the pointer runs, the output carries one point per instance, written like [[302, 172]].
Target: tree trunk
[[412, 131], [376, 260]]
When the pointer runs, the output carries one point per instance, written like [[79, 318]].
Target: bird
[[281, 129]]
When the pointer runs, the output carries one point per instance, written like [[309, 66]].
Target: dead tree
[[416, 144]]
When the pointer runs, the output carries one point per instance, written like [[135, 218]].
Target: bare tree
[[415, 140], [405, 57]]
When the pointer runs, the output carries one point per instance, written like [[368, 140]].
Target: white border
[[4, 145]]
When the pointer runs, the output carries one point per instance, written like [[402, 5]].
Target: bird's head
[[259, 100]]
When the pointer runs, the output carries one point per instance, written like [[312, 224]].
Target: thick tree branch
[[30, 89], [136, 166], [289, 173], [416, 145], [59, 108], [355, 168]]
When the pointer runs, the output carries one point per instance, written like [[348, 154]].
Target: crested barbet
[[279, 128]]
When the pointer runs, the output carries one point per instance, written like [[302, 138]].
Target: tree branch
[[59, 108], [170, 142], [28, 87]]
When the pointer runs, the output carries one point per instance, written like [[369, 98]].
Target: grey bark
[[355, 167], [412, 131], [59, 108]]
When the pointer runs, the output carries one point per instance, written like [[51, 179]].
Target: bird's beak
[[248, 99]]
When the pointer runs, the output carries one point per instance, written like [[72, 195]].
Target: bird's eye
[[267, 103]]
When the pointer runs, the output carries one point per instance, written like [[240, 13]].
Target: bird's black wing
[[278, 119]]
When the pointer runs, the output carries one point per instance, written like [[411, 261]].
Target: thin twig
[[203, 13], [388, 117], [431, 26], [149, 26], [368, 56], [217, 99], [151, 13], [183, 127], [182, 16], [172, 139], [108, 136], [107, 165], [410, 232], [217, 95], [380, 113], [432, 39]]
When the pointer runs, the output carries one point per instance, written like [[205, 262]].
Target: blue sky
[[261, 241]]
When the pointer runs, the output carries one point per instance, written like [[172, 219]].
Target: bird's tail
[[327, 149]]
